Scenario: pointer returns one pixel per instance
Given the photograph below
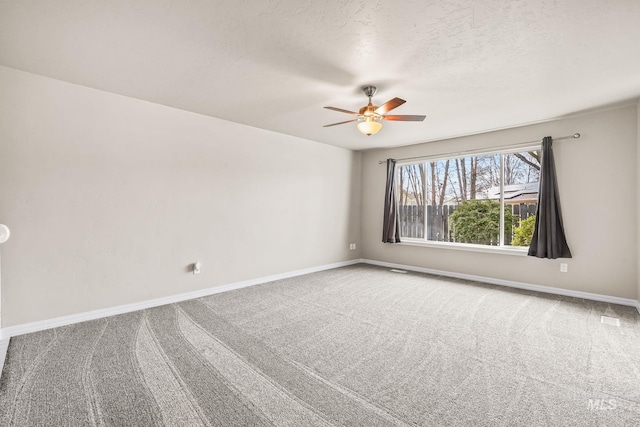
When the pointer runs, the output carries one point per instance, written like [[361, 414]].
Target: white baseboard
[[4, 345], [511, 284], [6, 333]]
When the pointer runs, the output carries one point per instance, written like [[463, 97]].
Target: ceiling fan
[[369, 116]]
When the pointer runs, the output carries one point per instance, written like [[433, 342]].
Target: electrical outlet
[[352, 246], [563, 267], [196, 267], [613, 321]]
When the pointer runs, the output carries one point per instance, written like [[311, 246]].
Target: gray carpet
[[355, 346]]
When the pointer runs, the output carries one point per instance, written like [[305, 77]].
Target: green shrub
[[478, 221], [522, 235]]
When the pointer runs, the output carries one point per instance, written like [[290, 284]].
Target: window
[[485, 199]]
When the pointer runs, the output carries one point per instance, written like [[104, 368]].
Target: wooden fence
[[412, 220]]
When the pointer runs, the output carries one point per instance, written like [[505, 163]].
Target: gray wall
[[109, 200], [598, 189]]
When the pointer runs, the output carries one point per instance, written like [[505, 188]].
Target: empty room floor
[[357, 345]]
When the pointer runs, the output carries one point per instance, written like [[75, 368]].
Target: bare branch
[[527, 161]]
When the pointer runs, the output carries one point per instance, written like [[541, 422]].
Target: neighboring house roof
[[516, 192]]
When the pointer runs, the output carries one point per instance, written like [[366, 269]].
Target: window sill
[[509, 250]]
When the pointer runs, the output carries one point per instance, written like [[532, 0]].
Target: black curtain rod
[[574, 136]]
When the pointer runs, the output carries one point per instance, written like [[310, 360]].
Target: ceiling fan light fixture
[[369, 126], [370, 116]]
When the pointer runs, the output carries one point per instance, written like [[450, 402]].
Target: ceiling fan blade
[[341, 110], [340, 123], [411, 118], [390, 105]]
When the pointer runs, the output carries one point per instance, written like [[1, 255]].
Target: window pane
[[411, 200], [521, 178], [476, 218], [439, 202]]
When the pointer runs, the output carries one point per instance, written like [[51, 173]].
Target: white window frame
[[501, 248]]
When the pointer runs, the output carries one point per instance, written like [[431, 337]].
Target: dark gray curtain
[[548, 239], [391, 225]]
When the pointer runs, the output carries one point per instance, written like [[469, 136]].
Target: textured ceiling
[[468, 66]]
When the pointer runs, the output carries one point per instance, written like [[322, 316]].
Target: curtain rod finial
[[576, 135]]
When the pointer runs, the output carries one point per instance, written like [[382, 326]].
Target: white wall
[[638, 196], [598, 190], [110, 199]]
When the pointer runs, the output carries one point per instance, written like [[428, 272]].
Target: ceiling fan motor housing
[[369, 111]]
